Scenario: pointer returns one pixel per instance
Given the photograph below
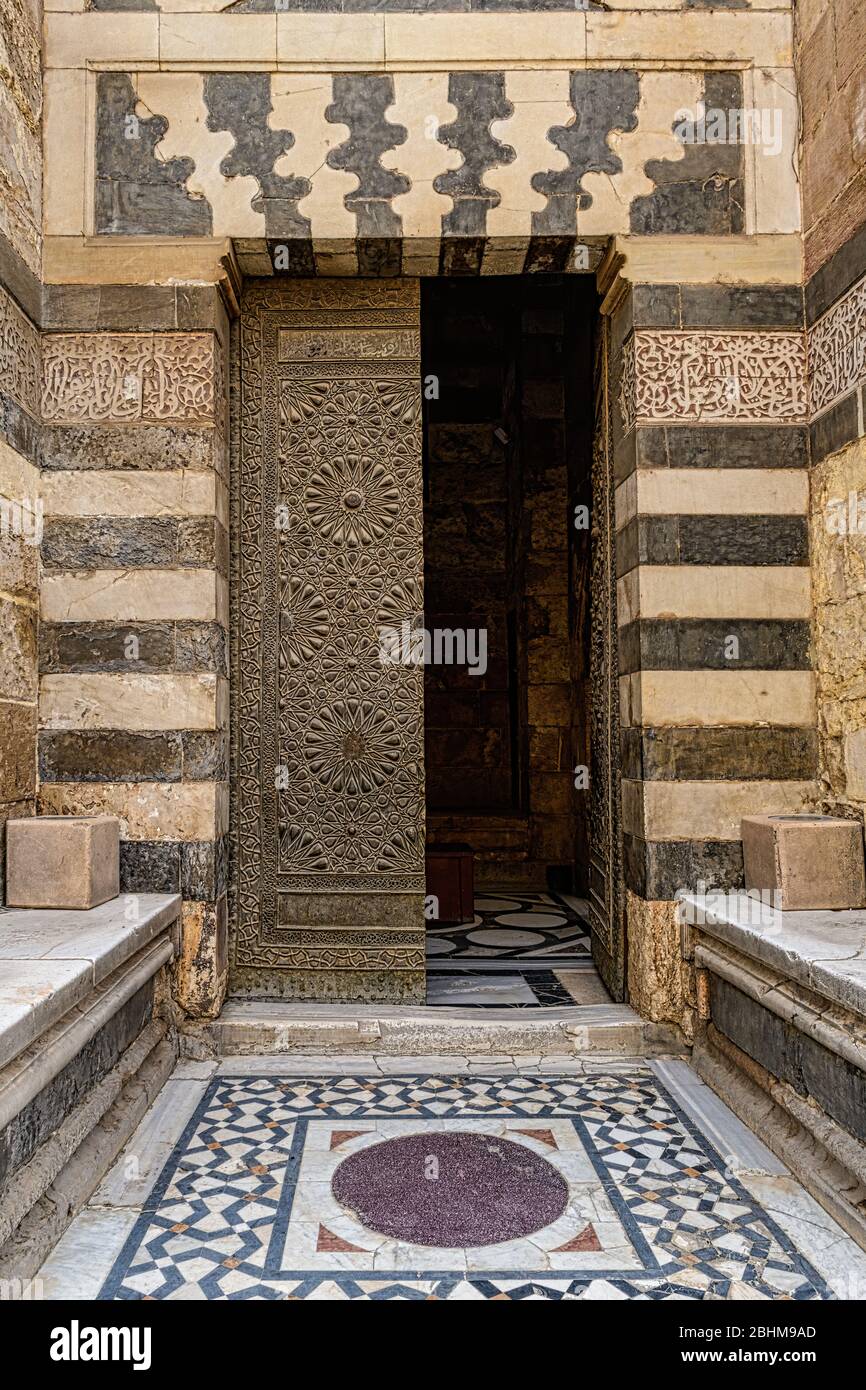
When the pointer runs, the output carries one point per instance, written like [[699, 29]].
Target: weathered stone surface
[[17, 744], [42, 1116], [18, 624], [810, 861], [702, 192], [202, 966], [107, 755], [126, 446], [657, 870], [55, 861], [831, 1082], [659, 984], [718, 754], [728, 446], [694, 644], [86, 543]]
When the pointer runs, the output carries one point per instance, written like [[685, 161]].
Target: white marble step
[[51, 960]]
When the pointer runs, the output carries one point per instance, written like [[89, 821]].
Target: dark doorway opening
[[507, 367]]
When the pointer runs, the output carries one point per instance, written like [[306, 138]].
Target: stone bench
[[782, 1035], [86, 1041]]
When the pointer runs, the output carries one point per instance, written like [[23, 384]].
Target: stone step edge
[[308, 1029], [22, 1256], [779, 1120]]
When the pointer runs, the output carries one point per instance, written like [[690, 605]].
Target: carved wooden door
[[328, 779], [606, 894]]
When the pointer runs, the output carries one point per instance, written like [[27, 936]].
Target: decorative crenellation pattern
[[837, 349], [378, 156], [122, 378], [743, 375], [19, 356]]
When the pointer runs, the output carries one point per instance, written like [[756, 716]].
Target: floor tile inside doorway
[[245, 1204], [532, 929]]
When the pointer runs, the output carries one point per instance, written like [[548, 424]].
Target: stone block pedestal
[[812, 862], [62, 861]]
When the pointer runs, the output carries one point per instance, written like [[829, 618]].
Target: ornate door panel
[[606, 896], [328, 781]]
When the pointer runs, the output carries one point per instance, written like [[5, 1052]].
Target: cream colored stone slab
[[745, 260], [100, 37], [773, 164], [714, 591], [146, 810], [206, 41], [134, 260], [708, 36], [93, 492], [299, 104], [714, 492], [727, 697], [105, 595], [68, 6], [117, 700], [459, 40], [19, 478], [541, 100], [64, 128], [707, 810], [422, 106], [331, 41]]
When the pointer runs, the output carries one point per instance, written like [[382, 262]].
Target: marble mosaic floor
[[480, 989], [533, 929], [356, 1178]]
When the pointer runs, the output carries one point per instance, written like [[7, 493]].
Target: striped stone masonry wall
[[133, 644], [836, 315], [19, 561], [713, 590]]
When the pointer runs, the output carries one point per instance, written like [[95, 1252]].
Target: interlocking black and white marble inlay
[[532, 929], [244, 1206]]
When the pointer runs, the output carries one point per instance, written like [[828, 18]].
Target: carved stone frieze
[[710, 375], [19, 356], [837, 349], [129, 377]]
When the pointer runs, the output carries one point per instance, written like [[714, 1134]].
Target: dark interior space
[[507, 371]]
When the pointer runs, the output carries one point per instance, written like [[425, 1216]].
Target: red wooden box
[[451, 879]]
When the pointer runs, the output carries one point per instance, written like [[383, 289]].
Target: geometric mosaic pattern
[[244, 1207], [517, 927]]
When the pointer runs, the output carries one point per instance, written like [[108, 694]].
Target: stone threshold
[[247, 1027], [824, 952], [52, 960]]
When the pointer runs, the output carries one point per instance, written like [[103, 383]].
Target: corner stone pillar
[[717, 706], [133, 699]]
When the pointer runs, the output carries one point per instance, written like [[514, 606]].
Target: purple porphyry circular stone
[[487, 1189]]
